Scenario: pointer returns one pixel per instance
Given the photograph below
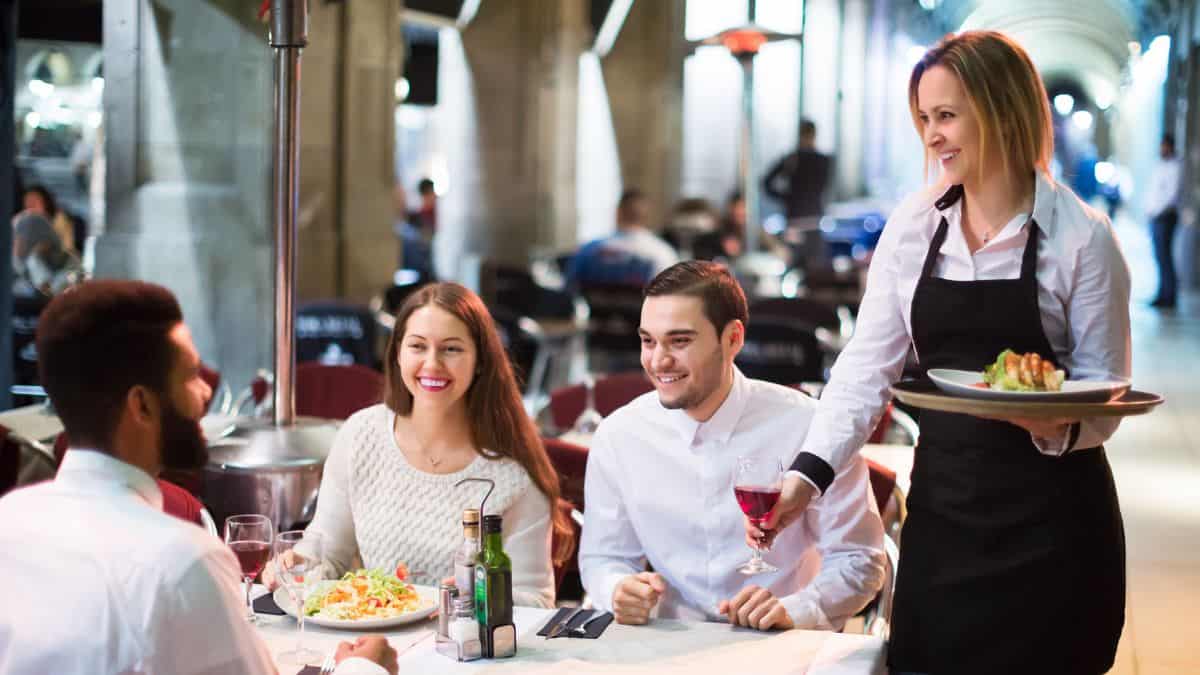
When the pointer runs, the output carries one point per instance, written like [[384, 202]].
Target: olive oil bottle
[[493, 594]]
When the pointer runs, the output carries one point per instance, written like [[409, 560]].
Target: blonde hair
[[1005, 93]]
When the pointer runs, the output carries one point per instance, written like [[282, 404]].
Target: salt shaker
[[464, 629]]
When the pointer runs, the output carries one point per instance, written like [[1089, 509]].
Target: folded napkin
[[594, 629], [265, 604]]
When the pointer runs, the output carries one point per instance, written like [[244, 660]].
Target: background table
[[663, 646]]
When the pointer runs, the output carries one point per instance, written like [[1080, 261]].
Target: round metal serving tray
[[924, 394]]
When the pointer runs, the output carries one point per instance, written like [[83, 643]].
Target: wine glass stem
[[249, 607]]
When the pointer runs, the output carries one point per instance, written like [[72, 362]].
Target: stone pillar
[[644, 77], [345, 241], [509, 88], [188, 116]]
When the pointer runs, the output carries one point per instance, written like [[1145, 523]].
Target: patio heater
[[274, 466], [743, 43]]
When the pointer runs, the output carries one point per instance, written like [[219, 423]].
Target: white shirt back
[[97, 579]]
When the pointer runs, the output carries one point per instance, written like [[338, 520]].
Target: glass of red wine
[[250, 538], [757, 482]]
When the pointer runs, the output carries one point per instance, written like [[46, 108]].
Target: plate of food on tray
[[362, 599], [1024, 378]]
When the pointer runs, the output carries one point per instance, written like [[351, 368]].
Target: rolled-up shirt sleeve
[[610, 549], [859, 382], [1098, 320], [848, 534]]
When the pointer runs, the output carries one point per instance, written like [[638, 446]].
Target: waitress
[[1013, 554]]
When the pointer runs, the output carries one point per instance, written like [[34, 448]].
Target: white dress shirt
[[642, 243], [659, 488], [95, 578], [1083, 295], [1163, 192]]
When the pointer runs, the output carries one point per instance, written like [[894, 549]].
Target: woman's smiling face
[[437, 357], [949, 128]]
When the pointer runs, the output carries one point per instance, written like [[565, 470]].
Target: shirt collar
[[87, 466], [1044, 196], [721, 425]]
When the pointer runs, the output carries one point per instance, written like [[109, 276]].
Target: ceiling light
[[1064, 104]]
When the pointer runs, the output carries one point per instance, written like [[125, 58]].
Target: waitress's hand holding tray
[[1026, 390]]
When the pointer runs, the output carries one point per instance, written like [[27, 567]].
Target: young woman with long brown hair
[[451, 410]]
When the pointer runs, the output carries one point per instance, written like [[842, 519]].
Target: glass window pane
[[784, 16]]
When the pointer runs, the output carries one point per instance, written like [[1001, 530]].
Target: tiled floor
[[1156, 460]]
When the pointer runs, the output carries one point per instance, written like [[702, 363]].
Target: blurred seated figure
[[41, 266], [37, 199], [632, 255], [95, 577], [416, 250], [692, 221]]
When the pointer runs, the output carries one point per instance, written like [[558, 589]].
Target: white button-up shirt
[[1083, 294], [1163, 191], [95, 578], [659, 488]]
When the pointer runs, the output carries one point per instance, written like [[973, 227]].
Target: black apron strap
[[939, 237]]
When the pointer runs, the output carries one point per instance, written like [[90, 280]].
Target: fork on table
[[328, 665]]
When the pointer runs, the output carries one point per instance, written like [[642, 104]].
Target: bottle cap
[[470, 517], [491, 523]]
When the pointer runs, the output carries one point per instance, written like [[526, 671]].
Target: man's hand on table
[[635, 596], [756, 607], [374, 648], [794, 499]]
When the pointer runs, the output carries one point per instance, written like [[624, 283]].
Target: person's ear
[[142, 405], [734, 335]]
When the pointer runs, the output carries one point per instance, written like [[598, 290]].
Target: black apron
[[1011, 561]]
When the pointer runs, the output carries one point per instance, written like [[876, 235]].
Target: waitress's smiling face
[[949, 128]]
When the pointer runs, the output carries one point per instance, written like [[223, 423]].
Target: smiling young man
[[94, 577], [659, 485]]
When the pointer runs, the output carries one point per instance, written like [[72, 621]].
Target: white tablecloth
[[662, 647]]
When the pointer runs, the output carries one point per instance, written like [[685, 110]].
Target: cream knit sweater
[[376, 507]]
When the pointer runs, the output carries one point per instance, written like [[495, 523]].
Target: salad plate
[[422, 607], [970, 384], [928, 395]]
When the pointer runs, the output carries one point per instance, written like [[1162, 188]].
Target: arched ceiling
[[1086, 41]]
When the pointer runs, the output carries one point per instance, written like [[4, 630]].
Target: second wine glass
[[757, 484], [298, 558]]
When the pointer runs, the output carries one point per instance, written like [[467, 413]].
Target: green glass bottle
[[493, 594]]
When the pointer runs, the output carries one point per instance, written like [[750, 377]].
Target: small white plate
[[969, 384], [428, 607]]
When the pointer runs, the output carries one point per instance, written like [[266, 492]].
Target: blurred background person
[[425, 217], [1162, 200], [39, 200], [800, 181], [415, 250], [632, 255], [41, 264]]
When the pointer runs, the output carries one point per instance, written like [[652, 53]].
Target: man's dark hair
[[425, 186], [97, 341], [808, 127], [720, 295], [1169, 141], [628, 198]]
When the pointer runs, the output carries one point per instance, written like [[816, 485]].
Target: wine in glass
[[757, 483], [298, 557], [249, 537]]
